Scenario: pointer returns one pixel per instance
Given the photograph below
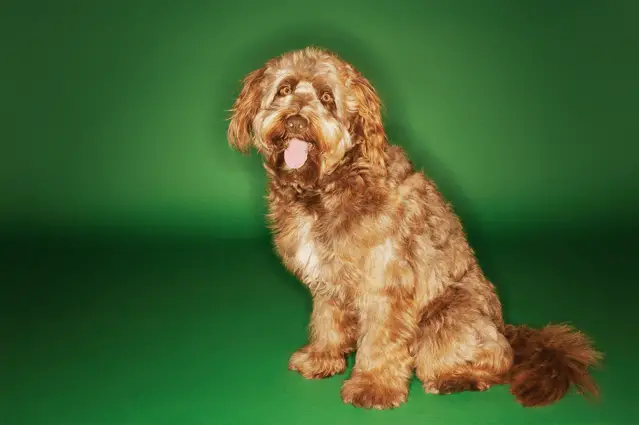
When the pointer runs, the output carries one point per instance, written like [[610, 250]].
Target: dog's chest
[[315, 262], [308, 257]]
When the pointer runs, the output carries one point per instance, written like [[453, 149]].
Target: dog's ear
[[367, 123], [245, 107]]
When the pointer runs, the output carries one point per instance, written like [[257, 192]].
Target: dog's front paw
[[365, 390], [316, 364]]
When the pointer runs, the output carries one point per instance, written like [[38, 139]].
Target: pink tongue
[[296, 153]]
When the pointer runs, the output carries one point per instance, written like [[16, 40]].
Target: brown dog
[[384, 256]]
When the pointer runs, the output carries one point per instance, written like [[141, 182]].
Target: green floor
[[132, 330]]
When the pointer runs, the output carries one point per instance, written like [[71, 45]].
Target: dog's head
[[304, 111]]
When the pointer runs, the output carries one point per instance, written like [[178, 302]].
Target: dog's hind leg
[[459, 348]]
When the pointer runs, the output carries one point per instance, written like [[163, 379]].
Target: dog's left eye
[[326, 97]]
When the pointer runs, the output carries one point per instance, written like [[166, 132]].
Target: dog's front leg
[[384, 363], [332, 336]]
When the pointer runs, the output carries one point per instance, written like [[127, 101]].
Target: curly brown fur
[[384, 256]]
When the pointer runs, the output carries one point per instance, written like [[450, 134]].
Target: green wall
[[523, 111]]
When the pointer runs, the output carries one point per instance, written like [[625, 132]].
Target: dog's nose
[[296, 123]]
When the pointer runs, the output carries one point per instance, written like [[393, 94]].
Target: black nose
[[296, 123]]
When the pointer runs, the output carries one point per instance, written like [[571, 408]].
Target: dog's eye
[[284, 90], [326, 97]]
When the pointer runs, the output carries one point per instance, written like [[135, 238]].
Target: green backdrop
[[139, 283]]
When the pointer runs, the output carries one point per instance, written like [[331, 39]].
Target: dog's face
[[304, 110]]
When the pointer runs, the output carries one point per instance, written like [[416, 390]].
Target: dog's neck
[[354, 190]]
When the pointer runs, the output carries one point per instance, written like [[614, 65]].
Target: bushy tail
[[548, 362]]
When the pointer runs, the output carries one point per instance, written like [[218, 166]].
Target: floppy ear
[[246, 106], [367, 124]]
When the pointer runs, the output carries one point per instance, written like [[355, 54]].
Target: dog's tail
[[548, 362]]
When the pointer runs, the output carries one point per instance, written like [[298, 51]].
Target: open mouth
[[296, 153]]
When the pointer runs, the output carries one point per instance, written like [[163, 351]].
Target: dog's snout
[[296, 123]]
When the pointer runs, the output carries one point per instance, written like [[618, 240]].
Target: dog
[[382, 253]]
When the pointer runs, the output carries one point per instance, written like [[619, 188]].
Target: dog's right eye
[[284, 90]]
